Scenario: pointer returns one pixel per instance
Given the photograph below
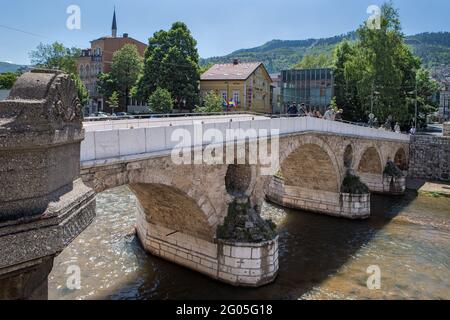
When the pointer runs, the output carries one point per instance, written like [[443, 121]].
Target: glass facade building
[[313, 87]]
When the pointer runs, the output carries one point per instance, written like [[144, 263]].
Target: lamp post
[[415, 109], [415, 105]]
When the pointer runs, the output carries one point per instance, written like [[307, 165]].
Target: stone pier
[[345, 205], [44, 204], [238, 264]]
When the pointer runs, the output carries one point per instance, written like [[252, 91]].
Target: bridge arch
[[401, 160], [171, 208], [370, 161], [310, 163]]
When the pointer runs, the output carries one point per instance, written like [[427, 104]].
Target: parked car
[[124, 115], [102, 115]]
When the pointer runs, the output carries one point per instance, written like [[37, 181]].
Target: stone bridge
[[202, 215], [183, 205]]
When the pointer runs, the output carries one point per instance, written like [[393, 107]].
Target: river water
[[321, 257]]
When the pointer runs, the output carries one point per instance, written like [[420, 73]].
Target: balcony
[[97, 58]]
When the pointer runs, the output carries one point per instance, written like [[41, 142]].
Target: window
[[236, 96], [224, 94]]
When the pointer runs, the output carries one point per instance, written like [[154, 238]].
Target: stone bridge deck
[[107, 143]]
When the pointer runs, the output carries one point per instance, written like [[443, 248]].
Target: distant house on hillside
[[247, 85]]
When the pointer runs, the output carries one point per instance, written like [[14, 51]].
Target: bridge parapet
[[44, 204], [104, 146]]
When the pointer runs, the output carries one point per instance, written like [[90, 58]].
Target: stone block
[[230, 278], [241, 252], [251, 264], [240, 271], [256, 253]]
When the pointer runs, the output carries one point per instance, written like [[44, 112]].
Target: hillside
[[433, 48], [9, 67]]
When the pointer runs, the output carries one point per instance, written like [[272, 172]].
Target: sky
[[220, 27]]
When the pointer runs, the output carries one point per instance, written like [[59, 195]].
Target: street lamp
[[415, 105]]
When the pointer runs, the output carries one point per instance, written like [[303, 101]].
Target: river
[[321, 257]]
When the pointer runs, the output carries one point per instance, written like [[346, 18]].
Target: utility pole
[[371, 98]]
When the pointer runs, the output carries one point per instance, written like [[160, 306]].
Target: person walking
[[338, 115], [292, 111], [329, 114]]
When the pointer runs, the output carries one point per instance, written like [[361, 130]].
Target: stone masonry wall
[[325, 202], [383, 184], [430, 158], [248, 265], [446, 129]]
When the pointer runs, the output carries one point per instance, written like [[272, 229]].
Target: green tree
[[160, 101], [171, 62], [125, 69], [212, 103], [377, 71], [56, 56], [106, 84], [83, 94], [113, 100], [311, 61], [7, 80], [426, 91]]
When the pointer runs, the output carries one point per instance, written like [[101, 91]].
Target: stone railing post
[[44, 204]]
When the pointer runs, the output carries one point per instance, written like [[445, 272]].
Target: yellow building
[[246, 84]]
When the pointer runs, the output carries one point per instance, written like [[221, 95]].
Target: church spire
[[114, 25]]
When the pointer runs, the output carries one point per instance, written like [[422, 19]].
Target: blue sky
[[220, 27]]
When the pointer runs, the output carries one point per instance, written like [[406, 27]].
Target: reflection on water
[[320, 257]]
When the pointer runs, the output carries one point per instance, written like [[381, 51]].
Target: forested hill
[[433, 48], [9, 67]]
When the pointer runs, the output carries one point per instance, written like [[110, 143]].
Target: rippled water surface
[[320, 257]]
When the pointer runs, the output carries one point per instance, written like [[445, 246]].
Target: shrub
[[160, 101], [392, 170], [213, 103], [352, 184]]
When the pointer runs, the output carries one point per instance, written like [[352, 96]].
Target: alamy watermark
[[209, 146], [73, 21], [73, 281], [374, 280], [374, 21]]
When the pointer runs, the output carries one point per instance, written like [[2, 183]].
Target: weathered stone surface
[[344, 205], [40, 135], [44, 204], [31, 283], [238, 264], [446, 129], [430, 158]]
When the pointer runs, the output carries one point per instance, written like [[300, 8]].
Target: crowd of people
[[301, 110], [330, 114]]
